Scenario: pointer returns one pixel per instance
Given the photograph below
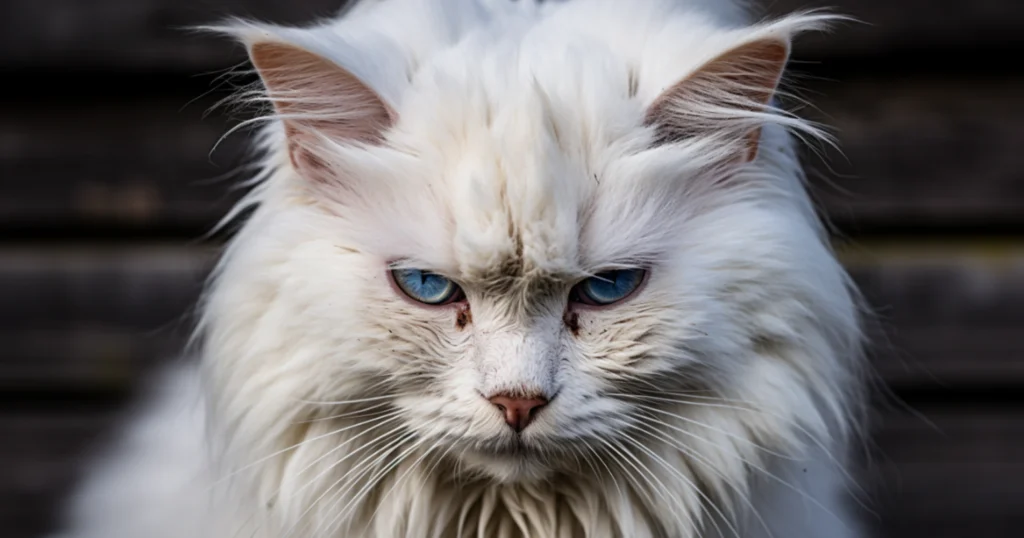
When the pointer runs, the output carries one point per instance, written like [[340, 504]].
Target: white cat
[[514, 270]]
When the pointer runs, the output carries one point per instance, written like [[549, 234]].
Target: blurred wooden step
[[923, 153], [148, 35], [128, 166], [141, 35], [94, 317], [42, 457], [889, 29], [950, 471]]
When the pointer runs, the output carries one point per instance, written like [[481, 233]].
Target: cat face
[[516, 277], [513, 258], [494, 316]]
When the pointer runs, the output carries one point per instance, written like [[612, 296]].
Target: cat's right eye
[[608, 287], [426, 287]]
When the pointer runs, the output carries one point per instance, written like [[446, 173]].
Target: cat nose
[[518, 411]]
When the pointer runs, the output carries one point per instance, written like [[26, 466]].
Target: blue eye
[[425, 287], [608, 287]]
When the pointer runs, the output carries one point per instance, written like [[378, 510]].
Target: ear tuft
[[316, 98], [730, 92]]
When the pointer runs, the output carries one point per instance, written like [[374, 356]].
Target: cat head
[[547, 237]]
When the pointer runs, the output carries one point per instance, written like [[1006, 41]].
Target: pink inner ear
[[743, 79], [316, 97]]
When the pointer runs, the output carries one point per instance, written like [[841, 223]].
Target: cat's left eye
[[426, 287], [608, 287]]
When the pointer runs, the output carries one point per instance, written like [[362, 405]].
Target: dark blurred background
[[107, 187]]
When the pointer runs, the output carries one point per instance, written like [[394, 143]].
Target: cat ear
[[730, 92], [317, 98]]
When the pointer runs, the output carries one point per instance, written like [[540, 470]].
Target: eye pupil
[[609, 287], [426, 287]]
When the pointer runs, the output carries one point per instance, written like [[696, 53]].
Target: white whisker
[[820, 444], [707, 502], [285, 450], [698, 458], [764, 472], [375, 479], [362, 464], [622, 459]]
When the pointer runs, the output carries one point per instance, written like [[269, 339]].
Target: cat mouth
[[513, 446]]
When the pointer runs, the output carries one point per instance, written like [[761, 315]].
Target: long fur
[[720, 401]]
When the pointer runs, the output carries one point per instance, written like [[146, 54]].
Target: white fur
[[717, 402]]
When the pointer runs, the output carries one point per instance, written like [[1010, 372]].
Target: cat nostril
[[518, 411]]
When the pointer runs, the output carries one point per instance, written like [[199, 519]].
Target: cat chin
[[506, 469]]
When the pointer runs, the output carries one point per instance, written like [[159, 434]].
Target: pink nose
[[518, 411]]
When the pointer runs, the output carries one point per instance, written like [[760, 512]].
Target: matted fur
[[717, 402]]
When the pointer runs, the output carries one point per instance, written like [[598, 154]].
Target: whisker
[[375, 479], [350, 414], [644, 469], [849, 479], [394, 443], [611, 474], [404, 475], [718, 430], [391, 417], [284, 450], [767, 473], [699, 458], [341, 460], [689, 482], [367, 468], [613, 446], [349, 402], [430, 471], [788, 420]]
